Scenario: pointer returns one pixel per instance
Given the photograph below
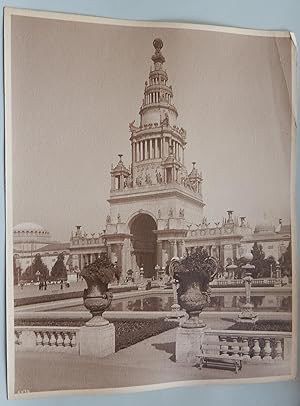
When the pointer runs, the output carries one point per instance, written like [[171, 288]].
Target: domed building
[[30, 239], [30, 236]]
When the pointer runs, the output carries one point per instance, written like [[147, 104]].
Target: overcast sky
[[76, 86]]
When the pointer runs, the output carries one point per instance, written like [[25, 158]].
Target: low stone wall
[[248, 346], [47, 338]]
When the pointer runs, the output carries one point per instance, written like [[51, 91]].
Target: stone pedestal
[[247, 314], [97, 341], [188, 344]]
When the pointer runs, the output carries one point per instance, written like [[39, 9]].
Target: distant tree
[[37, 266], [286, 261], [262, 265], [270, 266], [17, 271], [59, 270]]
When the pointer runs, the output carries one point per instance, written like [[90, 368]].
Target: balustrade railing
[[270, 282], [251, 346], [40, 338]]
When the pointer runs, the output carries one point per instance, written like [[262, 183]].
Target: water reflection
[[221, 302]]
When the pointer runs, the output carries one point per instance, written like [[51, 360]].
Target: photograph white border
[[8, 13]]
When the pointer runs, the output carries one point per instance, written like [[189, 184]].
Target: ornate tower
[[151, 201]]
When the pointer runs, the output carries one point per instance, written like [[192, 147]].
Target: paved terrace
[[148, 362]]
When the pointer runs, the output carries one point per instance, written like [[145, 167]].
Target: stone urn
[[97, 298], [193, 275], [191, 297]]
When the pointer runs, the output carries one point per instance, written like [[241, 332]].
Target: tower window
[[169, 175]]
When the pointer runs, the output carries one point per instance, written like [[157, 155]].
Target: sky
[[76, 86]]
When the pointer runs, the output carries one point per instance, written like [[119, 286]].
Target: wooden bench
[[232, 361], [219, 361]]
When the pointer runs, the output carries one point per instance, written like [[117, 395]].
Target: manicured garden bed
[[264, 325], [62, 296], [128, 332]]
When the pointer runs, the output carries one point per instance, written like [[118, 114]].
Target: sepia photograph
[[149, 204]]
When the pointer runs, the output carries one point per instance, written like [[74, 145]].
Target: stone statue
[[138, 180], [159, 213], [132, 127], [148, 179], [108, 219], [171, 213], [181, 213], [165, 121], [119, 218], [158, 177]]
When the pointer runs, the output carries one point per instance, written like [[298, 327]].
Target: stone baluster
[[256, 350], [52, 341], [278, 350], [46, 339], [223, 347], [59, 341], [39, 339], [267, 350], [67, 341], [18, 337], [245, 349], [73, 340], [235, 348]]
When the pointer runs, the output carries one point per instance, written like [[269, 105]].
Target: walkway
[[148, 362]]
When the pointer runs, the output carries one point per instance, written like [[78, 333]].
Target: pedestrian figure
[[45, 285], [61, 284]]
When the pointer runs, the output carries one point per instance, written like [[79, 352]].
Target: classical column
[[180, 248], [159, 253], [222, 258], [155, 149], [235, 250], [162, 141], [173, 247], [138, 152]]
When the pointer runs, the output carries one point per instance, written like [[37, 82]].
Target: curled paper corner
[[294, 40]]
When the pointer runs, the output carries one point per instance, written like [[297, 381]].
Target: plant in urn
[[194, 273], [97, 297]]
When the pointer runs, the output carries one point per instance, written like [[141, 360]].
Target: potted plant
[[97, 297], [193, 275]]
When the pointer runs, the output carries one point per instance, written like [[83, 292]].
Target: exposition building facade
[[156, 203]]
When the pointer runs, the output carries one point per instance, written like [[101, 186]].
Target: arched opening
[[144, 243]]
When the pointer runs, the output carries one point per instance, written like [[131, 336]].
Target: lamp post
[[38, 274], [277, 275], [156, 268], [231, 271], [247, 314], [175, 306], [142, 272]]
